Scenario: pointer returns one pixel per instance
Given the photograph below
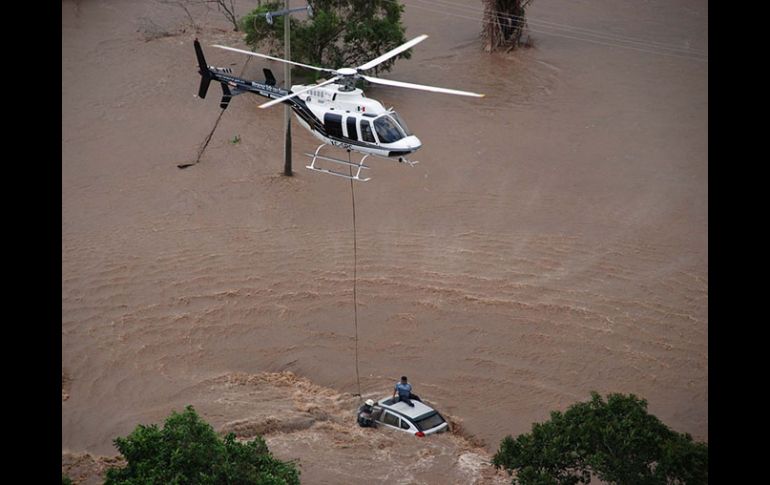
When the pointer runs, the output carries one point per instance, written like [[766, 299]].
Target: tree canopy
[[341, 33], [188, 451], [616, 440]]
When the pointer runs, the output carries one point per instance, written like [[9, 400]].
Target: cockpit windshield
[[387, 129], [401, 122]]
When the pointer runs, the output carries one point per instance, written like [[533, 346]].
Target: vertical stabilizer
[[204, 71]]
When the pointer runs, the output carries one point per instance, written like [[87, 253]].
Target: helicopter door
[[366, 131], [333, 125], [351, 122]]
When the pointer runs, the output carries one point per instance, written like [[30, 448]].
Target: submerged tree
[[341, 33], [504, 23], [616, 440]]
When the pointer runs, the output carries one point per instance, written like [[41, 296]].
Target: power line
[[213, 129], [570, 28], [684, 53]]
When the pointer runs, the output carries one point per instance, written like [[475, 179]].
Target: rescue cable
[[355, 275]]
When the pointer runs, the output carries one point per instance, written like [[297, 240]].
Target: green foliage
[[188, 451], [236, 139], [257, 29], [616, 440], [341, 33], [65, 480]]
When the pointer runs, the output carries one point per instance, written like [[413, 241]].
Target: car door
[[407, 426], [390, 419]]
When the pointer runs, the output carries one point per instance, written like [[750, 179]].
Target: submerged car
[[420, 420]]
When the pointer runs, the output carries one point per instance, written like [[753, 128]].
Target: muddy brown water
[[551, 241]]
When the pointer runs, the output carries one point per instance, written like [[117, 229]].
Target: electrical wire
[[580, 33], [569, 28], [205, 143]]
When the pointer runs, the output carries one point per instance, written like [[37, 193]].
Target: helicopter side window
[[333, 124], [351, 121], [366, 132], [387, 129]]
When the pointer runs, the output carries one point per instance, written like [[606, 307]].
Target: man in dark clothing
[[404, 391], [365, 418]]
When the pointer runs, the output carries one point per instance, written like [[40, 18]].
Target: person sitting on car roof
[[365, 418], [404, 391]]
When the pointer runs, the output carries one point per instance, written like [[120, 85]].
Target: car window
[[404, 424], [377, 413], [390, 419], [429, 421]]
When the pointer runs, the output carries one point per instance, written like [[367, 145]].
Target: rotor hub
[[347, 71]]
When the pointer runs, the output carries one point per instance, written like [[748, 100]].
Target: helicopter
[[335, 111]]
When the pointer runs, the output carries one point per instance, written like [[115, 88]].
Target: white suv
[[419, 420]]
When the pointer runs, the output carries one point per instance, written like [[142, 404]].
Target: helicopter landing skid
[[360, 165]]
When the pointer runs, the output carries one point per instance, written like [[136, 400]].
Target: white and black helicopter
[[335, 111]]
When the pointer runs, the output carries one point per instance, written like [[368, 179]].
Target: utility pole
[[287, 77], [286, 108]]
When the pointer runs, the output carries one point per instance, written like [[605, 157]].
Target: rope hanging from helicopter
[[394, 141]]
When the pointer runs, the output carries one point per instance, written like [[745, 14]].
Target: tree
[[341, 33], [187, 451], [227, 7], [504, 23], [615, 440]]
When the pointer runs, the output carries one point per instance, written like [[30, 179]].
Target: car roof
[[417, 411]]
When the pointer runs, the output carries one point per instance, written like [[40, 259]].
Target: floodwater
[[553, 239]]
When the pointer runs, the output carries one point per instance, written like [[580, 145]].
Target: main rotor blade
[[400, 84], [389, 54], [281, 100], [257, 54]]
